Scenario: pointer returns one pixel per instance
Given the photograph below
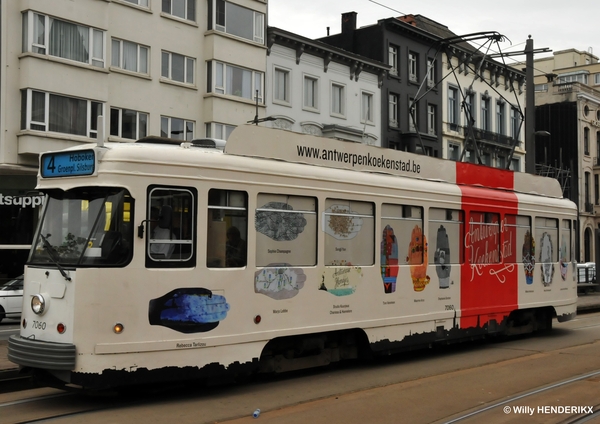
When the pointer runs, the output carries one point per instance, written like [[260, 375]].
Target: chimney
[[409, 19], [348, 22]]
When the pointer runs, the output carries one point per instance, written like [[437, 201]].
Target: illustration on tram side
[[342, 279], [279, 281], [546, 265], [389, 259], [340, 222], [441, 258], [563, 261], [529, 257], [279, 224], [188, 310], [417, 259]]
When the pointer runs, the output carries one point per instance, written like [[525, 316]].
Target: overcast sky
[[552, 24]]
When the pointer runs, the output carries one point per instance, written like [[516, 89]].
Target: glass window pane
[[176, 129], [116, 53], [143, 60], [143, 125], [129, 56], [165, 64], [177, 67], [239, 21], [227, 229], [189, 77], [178, 8], [38, 106], [114, 121], [129, 124]]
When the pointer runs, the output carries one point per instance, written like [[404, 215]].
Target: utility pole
[[529, 109]]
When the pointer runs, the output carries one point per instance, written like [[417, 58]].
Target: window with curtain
[[236, 81], [58, 38], [129, 56], [56, 113]]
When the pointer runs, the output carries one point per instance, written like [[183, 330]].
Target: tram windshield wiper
[[53, 254]]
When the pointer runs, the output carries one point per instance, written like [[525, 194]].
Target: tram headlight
[[38, 304]]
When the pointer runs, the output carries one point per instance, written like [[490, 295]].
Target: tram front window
[[85, 227]]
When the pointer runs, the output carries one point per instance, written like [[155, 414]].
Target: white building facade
[[318, 89]]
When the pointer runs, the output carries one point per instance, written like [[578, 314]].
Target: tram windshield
[[88, 226]]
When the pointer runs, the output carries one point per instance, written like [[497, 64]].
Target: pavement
[[585, 303]]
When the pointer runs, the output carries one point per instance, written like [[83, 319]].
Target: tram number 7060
[[39, 325]]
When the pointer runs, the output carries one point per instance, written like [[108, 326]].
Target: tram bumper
[[40, 354]]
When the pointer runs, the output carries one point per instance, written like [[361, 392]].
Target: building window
[[281, 86], [501, 162], [184, 9], [515, 165], [236, 81], [470, 110], [453, 109], [338, 99], [413, 60], [177, 67], [43, 111], [178, 129], [485, 113], [311, 93], [515, 123], [220, 131], [393, 110], [129, 56], [126, 123], [237, 20], [500, 118], [48, 36], [366, 108], [412, 115], [431, 118], [143, 3], [393, 59], [596, 190], [430, 73], [586, 141], [454, 151]]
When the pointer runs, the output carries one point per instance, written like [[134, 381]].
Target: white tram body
[[340, 249]]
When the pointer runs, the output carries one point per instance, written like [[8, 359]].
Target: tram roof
[[254, 141], [288, 146]]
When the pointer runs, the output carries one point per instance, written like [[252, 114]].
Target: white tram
[[158, 261]]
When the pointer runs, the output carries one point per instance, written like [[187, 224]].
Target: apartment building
[[177, 68], [483, 117], [567, 96], [319, 89]]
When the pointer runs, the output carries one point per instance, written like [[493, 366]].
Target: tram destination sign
[[68, 164]]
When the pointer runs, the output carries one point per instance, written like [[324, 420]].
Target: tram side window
[[227, 230], [171, 212], [483, 238], [546, 240], [402, 236], [517, 243], [565, 242], [446, 227], [349, 233], [286, 230]]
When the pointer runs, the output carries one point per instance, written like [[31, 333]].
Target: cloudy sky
[[552, 24]]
